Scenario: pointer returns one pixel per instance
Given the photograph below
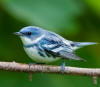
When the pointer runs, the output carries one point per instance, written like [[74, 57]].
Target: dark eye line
[[28, 33]]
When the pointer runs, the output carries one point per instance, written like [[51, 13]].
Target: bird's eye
[[28, 33]]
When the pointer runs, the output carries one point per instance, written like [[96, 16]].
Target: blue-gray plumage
[[44, 46]]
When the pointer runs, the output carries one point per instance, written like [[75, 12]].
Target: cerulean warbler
[[44, 46]]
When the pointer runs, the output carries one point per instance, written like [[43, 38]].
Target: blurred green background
[[77, 20]]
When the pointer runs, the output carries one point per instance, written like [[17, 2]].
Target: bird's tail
[[77, 45]]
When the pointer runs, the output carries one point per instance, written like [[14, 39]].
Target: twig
[[19, 67]]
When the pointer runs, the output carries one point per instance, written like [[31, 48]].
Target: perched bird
[[44, 46]]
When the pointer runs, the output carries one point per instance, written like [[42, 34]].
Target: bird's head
[[29, 34]]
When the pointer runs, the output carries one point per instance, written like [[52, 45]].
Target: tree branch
[[18, 67]]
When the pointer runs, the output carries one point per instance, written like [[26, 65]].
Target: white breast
[[27, 41], [34, 55]]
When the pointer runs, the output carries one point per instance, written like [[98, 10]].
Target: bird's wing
[[70, 55], [56, 47]]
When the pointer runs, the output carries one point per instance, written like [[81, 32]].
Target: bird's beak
[[18, 33]]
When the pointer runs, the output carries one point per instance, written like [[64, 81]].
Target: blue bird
[[44, 46]]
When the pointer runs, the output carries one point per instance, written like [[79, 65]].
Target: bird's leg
[[63, 66]]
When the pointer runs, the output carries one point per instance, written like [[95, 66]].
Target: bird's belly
[[34, 55]]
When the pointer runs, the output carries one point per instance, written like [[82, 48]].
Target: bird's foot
[[30, 64], [63, 67]]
